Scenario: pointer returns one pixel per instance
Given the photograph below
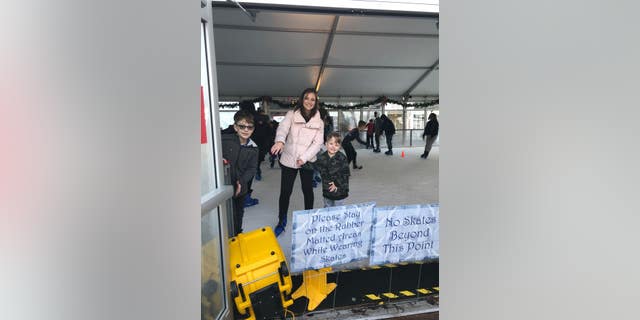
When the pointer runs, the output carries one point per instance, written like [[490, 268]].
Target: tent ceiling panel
[[387, 25], [269, 47], [369, 55], [428, 86], [275, 19], [383, 51], [350, 82], [254, 81]]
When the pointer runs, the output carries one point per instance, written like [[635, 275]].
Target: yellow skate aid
[[314, 287]]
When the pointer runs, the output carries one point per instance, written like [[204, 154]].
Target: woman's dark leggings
[[286, 187]]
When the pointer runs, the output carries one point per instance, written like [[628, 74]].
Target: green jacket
[[334, 169]]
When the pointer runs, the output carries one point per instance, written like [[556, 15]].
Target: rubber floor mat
[[361, 287]]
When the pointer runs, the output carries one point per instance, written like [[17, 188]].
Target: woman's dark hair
[[299, 104], [323, 112], [432, 116]]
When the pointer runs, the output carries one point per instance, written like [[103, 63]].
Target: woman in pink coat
[[299, 137]]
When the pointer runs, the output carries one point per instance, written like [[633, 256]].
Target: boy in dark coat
[[377, 130], [334, 170], [389, 130], [258, 140], [242, 155], [353, 134], [430, 133]]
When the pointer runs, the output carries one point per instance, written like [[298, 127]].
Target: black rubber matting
[[354, 286]]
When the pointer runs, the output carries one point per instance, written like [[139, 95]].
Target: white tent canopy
[[346, 55]]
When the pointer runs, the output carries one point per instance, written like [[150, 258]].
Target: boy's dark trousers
[[369, 141], [351, 153], [238, 213], [377, 141], [389, 138]]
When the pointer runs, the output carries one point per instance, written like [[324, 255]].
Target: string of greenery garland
[[287, 105]]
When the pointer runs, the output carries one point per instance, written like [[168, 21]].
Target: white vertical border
[[211, 93]]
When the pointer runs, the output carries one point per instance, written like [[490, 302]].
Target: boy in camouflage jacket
[[334, 170]]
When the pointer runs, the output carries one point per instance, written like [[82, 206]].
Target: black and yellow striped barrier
[[388, 265], [402, 294], [407, 293]]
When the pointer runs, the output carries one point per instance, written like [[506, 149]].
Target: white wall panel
[[343, 82], [265, 18], [429, 85], [258, 81], [388, 24], [268, 47], [385, 51]]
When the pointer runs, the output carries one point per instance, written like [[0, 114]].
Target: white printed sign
[[330, 236], [405, 233]]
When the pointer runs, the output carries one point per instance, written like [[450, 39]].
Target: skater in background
[[353, 134], [370, 128], [272, 134], [389, 130], [430, 134], [261, 136], [377, 130]]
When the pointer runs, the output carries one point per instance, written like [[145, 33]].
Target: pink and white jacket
[[302, 140]]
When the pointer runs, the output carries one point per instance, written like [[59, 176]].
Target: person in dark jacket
[[248, 201], [262, 137], [430, 133], [328, 121], [353, 134], [272, 134], [389, 130], [242, 154], [334, 169], [250, 108], [377, 130], [328, 128]]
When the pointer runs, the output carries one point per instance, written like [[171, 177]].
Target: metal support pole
[[361, 114], [340, 116], [251, 14], [404, 121], [327, 49]]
